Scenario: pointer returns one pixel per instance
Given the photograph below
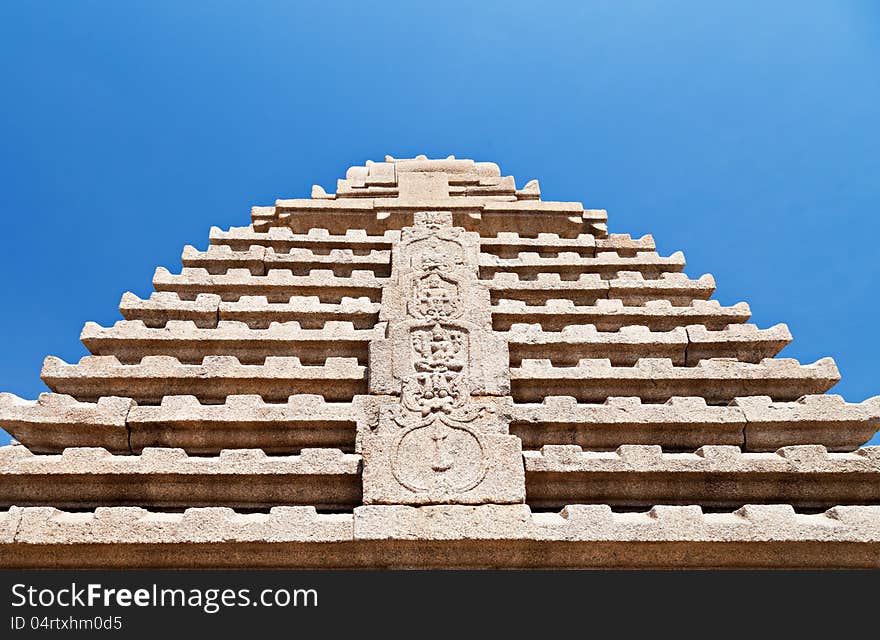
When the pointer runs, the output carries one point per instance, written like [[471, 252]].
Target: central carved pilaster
[[446, 439]]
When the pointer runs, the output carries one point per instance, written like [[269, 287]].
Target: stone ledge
[[441, 522], [213, 380], [657, 379], [610, 315], [686, 423], [708, 458], [489, 536], [17, 460], [36, 422]]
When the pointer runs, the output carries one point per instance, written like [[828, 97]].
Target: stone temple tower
[[434, 368]]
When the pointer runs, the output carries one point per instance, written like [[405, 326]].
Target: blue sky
[[746, 135]]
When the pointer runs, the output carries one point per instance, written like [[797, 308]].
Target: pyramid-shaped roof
[[434, 368]]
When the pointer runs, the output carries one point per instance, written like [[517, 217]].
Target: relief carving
[[439, 442], [435, 297]]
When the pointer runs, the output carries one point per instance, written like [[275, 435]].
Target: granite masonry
[[433, 368]]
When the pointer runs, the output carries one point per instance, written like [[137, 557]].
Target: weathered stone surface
[[745, 342], [826, 420], [164, 306], [132, 340], [571, 264], [53, 421], [687, 423], [629, 287], [247, 421], [611, 315], [599, 522], [717, 380], [681, 423], [133, 525], [445, 442], [443, 536], [213, 380], [239, 478], [483, 468], [716, 476], [466, 349], [278, 285], [220, 259], [283, 239], [575, 342], [258, 313]]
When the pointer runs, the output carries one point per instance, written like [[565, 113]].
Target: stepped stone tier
[[433, 368]]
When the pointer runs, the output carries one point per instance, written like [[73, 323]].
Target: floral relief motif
[[435, 297], [438, 435], [439, 349]]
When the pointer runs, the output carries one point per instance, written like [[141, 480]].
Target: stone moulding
[[432, 367], [715, 476], [163, 477], [448, 536]]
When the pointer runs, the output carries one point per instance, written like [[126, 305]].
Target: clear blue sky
[[746, 135]]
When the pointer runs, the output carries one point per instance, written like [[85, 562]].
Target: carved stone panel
[[446, 440]]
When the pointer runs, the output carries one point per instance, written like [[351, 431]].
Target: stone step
[[163, 306], [207, 309], [610, 315], [258, 313], [812, 419], [485, 215], [168, 478], [625, 346], [569, 265], [718, 380], [248, 421], [567, 347], [745, 342], [55, 421], [338, 379], [629, 287], [485, 536], [509, 244], [219, 259], [278, 285], [283, 239], [132, 340], [506, 244], [714, 476], [687, 423]]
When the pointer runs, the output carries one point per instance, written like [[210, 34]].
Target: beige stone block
[[611, 315], [509, 244], [212, 381], [464, 467], [574, 342], [221, 258], [283, 239], [164, 306], [278, 285], [745, 342], [130, 341], [247, 421], [717, 380], [717, 476], [169, 478], [811, 419], [53, 422], [681, 423], [571, 264]]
